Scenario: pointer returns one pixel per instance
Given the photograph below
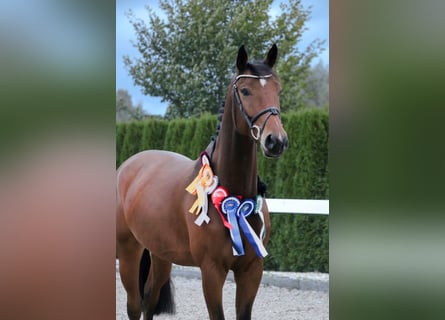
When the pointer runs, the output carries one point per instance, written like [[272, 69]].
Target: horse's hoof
[[133, 314]]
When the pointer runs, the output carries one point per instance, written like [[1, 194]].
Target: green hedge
[[298, 242]]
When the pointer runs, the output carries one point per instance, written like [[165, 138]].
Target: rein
[[255, 130]]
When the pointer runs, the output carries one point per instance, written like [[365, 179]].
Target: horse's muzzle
[[274, 145]]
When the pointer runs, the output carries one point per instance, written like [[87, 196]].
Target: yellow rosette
[[201, 186]]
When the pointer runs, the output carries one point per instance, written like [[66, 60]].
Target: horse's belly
[[156, 204], [164, 234]]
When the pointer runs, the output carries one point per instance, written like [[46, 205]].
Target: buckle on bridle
[[258, 132]]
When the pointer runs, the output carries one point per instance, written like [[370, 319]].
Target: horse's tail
[[166, 303], [144, 269]]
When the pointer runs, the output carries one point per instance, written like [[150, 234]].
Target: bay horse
[[153, 225]]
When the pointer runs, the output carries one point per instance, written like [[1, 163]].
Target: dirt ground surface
[[281, 302]]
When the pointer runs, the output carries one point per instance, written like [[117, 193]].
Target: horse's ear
[[271, 57], [241, 60]]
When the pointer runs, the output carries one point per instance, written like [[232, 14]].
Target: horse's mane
[[220, 117]]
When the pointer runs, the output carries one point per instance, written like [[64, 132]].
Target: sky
[[318, 27]]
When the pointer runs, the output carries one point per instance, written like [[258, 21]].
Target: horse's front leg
[[213, 278], [247, 283]]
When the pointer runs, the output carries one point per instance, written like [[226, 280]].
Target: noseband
[[255, 130]]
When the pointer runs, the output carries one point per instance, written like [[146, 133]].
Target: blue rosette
[[230, 207]]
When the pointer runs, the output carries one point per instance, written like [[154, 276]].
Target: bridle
[[255, 130]]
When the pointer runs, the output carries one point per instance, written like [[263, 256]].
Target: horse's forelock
[[259, 68]]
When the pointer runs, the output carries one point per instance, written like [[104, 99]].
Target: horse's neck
[[235, 158]]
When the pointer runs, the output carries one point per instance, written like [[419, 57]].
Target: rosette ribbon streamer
[[201, 186], [246, 208], [259, 211], [237, 212]]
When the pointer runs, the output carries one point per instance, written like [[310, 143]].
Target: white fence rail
[[298, 206]]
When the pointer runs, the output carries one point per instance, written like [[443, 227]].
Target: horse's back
[[153, 157], [150, 165], [152, 201]]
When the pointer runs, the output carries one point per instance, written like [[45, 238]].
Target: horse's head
[[256, 89]]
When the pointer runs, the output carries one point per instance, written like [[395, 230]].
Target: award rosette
[[237, 213], [236, 210], [202, 186], [230, 207], [218, 195]]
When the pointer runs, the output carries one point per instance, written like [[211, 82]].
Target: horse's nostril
[[274, 145], [270, 142], [285, 142]]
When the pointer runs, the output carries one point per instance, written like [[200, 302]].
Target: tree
[[317, 89], [125, 111], [188, 58]]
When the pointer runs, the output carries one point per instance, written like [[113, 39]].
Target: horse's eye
[[245, 92]]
